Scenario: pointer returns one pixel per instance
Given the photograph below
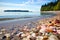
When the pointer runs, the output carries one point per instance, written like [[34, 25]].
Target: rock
[[39, 38], [33, 38], [53, 37], [33, 35], [45, 37]]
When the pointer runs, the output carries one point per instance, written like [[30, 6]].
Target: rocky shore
[[45, 29]]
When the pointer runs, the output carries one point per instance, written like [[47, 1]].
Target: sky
[[32, 5]]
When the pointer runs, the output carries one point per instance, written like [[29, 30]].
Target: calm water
[[18, 14], [4, 16]]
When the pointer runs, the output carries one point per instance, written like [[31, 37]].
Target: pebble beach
[[43, 29]]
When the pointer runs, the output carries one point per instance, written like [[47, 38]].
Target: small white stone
[[0, 33], [39, 38], [42, 30], [53, 37], [28, 36], [3, 29], [23, 35], [7, 35], [33, 35], [19, 33]]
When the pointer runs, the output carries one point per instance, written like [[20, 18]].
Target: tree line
[[52, 6]]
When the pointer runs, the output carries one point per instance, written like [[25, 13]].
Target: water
[[15, 15], [5, 16], [14, 18], [18, 14]]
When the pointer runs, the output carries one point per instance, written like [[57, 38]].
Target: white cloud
[[33, 2], [12, 8], [29, 2], [25, 5], [21, 4], [11, 4]]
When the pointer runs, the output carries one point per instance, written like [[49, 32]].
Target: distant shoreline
[[50, 11], [16, 10]]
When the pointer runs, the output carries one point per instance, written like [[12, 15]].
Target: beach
[[16, 26], [21, 22], [57, 16]]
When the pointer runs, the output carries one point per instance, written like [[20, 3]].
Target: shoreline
[[21, 22], [33, 27], [56, 16], [54, 12], [24, 22]]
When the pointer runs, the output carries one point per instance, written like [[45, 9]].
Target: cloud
[[29, 4], [37, 2], [11, 4], [25, 3]]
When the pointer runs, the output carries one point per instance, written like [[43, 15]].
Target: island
[[16, 10]]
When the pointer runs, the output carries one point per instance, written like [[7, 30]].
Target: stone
[[53, 37]]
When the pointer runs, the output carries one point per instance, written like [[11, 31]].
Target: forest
[[52, 6]]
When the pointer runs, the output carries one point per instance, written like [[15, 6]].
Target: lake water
[[18, 14], [5, 16], [8, 19]]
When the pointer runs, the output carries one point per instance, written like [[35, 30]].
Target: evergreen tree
[[52, 6]]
